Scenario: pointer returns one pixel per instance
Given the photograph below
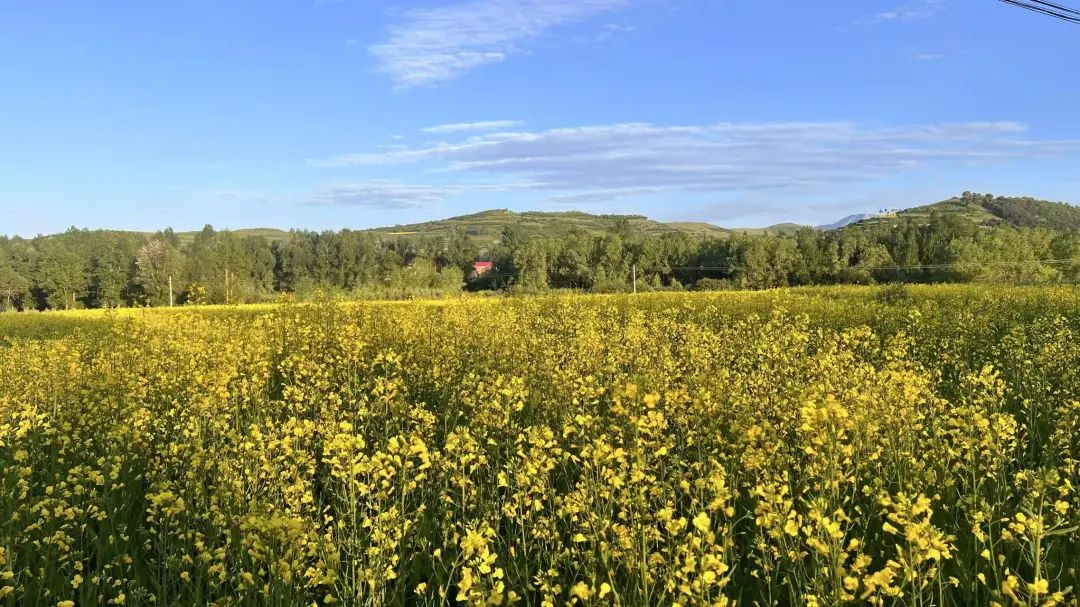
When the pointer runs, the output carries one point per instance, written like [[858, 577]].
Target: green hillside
[[988, 210], [487, 226], [780, 229], [271, 234]]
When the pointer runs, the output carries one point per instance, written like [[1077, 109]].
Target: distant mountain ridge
[[988, 210], [486, 227], [983, 209], [846, 221]]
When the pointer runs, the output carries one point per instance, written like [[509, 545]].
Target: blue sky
[[349, 113]]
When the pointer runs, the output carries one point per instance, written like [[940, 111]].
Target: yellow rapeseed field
[[830, 446]]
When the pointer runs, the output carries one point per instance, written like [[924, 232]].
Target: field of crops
[[892, 446]]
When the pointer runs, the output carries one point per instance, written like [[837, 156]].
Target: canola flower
[[802, 447]]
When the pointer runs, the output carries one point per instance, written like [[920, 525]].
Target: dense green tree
[[14, 288], [457, 250], [1066, 253], [569, 264], [260, 256], [610, 257], [751, 266], [60, 275], [112, 270], [647, 255], [157, 265], [293, 260], [360, 254], [531, 264], [80, 268]]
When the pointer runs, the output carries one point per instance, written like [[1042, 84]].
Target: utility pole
[[633, 272], [170, 291]]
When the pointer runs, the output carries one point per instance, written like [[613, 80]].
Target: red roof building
[[482, 267]]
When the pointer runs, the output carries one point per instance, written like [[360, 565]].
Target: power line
[[1059, 7], [933, 266], [927, 266], [1047, 8]]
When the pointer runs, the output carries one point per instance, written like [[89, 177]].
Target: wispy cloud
[[396, 195], [928, 57], [233, 194], [434, 45], [380, 195], [459, 127], [610, 30], [596, 163], [920, 9]]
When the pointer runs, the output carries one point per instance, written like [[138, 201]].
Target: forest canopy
[[969, 238]]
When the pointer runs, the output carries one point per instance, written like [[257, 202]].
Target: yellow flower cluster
[[795, 447]]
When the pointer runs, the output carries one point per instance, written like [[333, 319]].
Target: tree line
[[944, 248], [102, 269]]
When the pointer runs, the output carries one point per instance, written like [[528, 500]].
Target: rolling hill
[[487, 226], [779, 229], [271, 234], [987, 210], [846, 221]]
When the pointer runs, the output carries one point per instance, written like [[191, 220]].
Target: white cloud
[[595, 163], [438, 44], [928, 57], [459, 127], [920, 9]]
